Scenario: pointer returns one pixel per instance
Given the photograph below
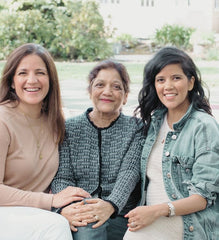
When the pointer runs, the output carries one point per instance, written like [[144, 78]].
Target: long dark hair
[[148, 99], [52, 102]]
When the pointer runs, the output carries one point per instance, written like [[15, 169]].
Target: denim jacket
[[190, 165]]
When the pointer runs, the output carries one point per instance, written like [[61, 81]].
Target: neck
[[32, 112], [174, 115], [101, 119]]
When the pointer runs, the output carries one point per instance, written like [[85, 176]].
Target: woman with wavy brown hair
[[31, 127]]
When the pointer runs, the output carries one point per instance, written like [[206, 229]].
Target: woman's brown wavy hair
[[52, 103]]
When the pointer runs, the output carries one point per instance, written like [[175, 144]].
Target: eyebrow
[[177, 75], [173, 75], [118, 81], [114, 81], [25, 69]]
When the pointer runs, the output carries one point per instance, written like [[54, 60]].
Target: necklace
[[37, 138]]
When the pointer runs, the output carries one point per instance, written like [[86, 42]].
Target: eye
[[160, 80], [41, 73], [99, 85], [21, 73], [117, 87], [176, 78]]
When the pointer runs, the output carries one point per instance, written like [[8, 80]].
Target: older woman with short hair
[[101, 154]]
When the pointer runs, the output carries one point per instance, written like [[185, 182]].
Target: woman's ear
[[125, 98], [12, 85], [191, 83]]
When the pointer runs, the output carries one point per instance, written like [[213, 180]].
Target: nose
[[168, 84], [32, 78], [107, 90]]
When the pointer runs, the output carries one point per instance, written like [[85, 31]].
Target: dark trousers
[[113, 229]]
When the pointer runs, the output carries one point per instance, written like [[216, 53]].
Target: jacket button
[[174, 137], [168, 175], [191, 228], [167, 154], [174, 196]]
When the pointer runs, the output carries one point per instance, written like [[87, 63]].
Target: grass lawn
[[79, 71]]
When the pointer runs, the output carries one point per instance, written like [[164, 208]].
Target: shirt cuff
[[115, 208]]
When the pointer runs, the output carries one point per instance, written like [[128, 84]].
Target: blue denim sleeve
[[205, 180]]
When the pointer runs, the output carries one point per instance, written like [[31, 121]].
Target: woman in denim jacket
[[180, 158]]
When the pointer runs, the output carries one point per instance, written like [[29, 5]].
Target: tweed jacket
[[103, 161]]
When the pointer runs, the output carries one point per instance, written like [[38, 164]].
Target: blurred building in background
[[140, 18]]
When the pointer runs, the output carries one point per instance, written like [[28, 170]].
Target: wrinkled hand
[[68, 195], [141, 217], [100, 210], [77, 216]]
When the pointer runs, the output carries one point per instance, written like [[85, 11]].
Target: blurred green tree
[[68, 29]]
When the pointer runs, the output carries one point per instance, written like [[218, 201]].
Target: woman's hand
[[68, 195], [100, 210], [145, 215], [77, 216]]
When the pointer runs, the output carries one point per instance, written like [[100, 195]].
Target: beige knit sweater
[[25, 176]]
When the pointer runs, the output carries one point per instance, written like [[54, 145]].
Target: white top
[[156, 193], [163, 228]]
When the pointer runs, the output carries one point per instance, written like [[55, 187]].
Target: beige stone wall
[[130, 17], [215, 23]]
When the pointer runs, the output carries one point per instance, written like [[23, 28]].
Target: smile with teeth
[[32, 89], [170, 94]]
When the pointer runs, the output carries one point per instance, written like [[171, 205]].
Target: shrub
[[127, 40], [174, 35], [212, 54], [68, 29]]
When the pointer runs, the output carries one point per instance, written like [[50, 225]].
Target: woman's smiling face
[[172, 87], [31, 81], [107, 92]]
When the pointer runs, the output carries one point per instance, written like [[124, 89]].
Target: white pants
[[26, 223]]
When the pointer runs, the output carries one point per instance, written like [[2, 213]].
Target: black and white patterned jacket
[[103, 161]]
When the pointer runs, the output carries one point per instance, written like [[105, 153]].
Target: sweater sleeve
[[15, 197], [11, 196], [64, 176], [129, 174]]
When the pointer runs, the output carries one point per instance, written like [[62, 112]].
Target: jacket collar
[[158, 116]]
